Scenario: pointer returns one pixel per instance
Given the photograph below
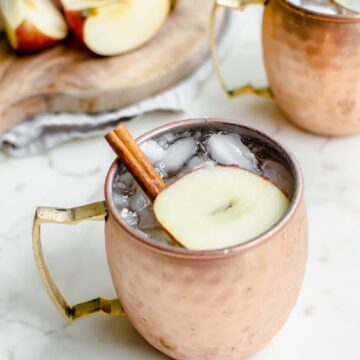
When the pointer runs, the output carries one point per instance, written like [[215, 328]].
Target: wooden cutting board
[[70, 78]]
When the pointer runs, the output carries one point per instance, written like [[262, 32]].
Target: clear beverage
[[175, 154], [326, 7]]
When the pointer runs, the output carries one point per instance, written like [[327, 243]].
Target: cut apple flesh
[[111, 27], [32, 24], [218, 207], [353, 5]]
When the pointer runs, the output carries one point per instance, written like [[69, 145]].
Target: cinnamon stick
[[123, 133], [135, 160]]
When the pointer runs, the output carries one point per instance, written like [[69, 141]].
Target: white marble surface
[[325, 322]]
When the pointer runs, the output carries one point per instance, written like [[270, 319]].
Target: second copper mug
[[312, 63], [195, 305]]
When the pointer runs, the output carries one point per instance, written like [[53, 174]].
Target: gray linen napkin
[[43, 132]]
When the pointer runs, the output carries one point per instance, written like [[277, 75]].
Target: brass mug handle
[[45, 215], [248, 88]]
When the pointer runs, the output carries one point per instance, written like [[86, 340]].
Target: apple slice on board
[[353, 5], [219, 206], [32, 25], [112, 27]]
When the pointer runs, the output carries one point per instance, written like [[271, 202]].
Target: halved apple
[[32, 25], [219, 206], [111, 27]]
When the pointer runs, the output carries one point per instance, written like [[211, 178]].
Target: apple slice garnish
[[112, 27], [352, 5], [32, 25], [218, 207]]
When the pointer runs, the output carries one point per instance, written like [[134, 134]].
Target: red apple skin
[[30, 39], [58, 3], [76, 20]]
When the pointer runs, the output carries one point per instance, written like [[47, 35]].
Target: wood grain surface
[[70, 78]]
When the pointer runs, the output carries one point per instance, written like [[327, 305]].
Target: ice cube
[[227, 149], [160, 168], [121, 190], [320, 9], [166, 139], [327, 7], [139, 201], [177, 154], [279, 176], [153, 151], [123, 182], [147, 219], [161, 236], [143, 233], [120, 201], [197, 161], [130, 217], [295, 2]]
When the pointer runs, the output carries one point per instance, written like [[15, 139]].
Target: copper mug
[[311, 61], [218, 304]]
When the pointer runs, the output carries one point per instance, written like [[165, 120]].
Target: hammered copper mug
[[312, 63], [203, 305]]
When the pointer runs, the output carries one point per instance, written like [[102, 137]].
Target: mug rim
[[318, 16], [175, 251]]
